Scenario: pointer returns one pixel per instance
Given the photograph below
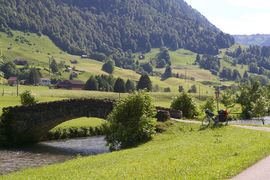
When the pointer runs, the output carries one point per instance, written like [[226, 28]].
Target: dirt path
[[259, 171]]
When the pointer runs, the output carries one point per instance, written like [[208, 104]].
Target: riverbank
[[50, 152], [183, 151]]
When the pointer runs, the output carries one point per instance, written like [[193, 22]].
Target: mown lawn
[[44, 94], [81, 127], [183, 152]]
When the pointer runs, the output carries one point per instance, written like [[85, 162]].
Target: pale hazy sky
[[236, 16]]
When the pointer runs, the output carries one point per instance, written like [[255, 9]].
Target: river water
[[50, 152]]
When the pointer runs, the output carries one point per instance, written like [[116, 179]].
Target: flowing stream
[[50, 152]]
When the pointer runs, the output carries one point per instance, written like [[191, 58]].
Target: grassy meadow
[[182, 152], [37, 50]]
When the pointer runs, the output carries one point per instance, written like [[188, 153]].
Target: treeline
[[256, 57], [209, 62], [109, 84], [213, 64], [114, 26], [119, 85]]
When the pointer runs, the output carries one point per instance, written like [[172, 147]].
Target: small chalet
[[12, 81], [84, 56], [45, 82], [70, 84], [20, 62]]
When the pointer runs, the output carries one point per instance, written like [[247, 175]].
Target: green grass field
[[183, 152]]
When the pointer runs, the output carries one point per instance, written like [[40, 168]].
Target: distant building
[[45, 82], [84, 56], [20, 62], [141, 57], [12, 81], [70, 84]]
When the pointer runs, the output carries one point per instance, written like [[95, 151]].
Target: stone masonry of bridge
[[27, 124]]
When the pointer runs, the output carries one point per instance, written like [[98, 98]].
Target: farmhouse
[[45, 82], [70, 84], [12, 81]]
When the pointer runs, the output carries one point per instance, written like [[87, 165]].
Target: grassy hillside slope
[[37, 50]]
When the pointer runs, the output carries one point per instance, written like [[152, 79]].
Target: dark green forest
[[106, 26]]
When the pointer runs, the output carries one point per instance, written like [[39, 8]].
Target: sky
[[236, 16]]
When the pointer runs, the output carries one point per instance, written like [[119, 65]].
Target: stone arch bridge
[[27, 124]]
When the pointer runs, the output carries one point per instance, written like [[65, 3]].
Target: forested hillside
[[86, 26], [258, 39]]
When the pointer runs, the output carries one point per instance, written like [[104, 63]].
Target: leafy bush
[[120, 86], [181, 89], [209, 104], [193, 89], [131, 122], [185, 104], [27, 98], [108, 67], [130, 86], [144, 83], [228, 98], [91, 84]]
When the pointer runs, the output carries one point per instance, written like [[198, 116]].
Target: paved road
[[259, 171], [266, 129]]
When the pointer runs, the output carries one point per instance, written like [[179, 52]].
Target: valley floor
[[182, 152]]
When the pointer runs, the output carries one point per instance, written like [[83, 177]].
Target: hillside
[[257, 39], [37, 50], [83, 26]]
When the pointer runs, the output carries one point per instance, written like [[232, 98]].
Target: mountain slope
[[83, 26], [257, 39]]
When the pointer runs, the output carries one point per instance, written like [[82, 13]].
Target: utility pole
[[17, 84], [199, 92], [1, 49], [49, 67], [217, 93], [185, 74]]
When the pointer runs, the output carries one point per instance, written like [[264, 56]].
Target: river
[[50, 152]]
